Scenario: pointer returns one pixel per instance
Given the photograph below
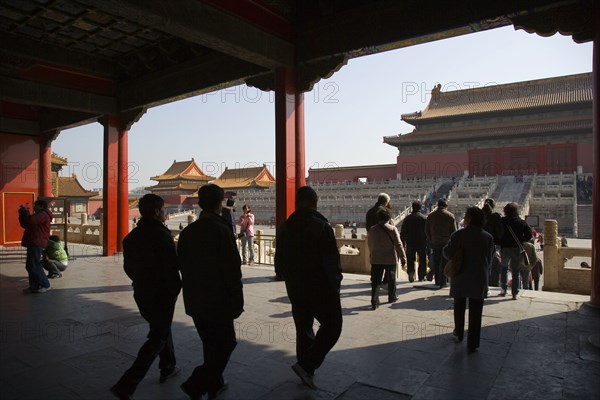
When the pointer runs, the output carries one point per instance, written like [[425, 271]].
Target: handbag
[[454, 266], [524, 257]]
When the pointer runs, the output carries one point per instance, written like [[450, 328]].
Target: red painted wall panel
[[352, 174], [433, 165], [18, 175], [585, 156]]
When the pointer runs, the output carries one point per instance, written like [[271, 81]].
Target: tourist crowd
[[205, 265]]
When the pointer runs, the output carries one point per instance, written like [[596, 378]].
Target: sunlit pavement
[[76, 340]]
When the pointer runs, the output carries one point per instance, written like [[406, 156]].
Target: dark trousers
[[53, 267], [377, 271], [35, 271], [438, 264], [411, 256], [218, 342], [475, 312], [512, 256], [158, 311], [495, 271], [312, 348]]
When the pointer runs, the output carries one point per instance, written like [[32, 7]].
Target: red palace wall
[[95, 207], [511, 160], [382, 173], [432, 165], [18, 182], [585, 156]]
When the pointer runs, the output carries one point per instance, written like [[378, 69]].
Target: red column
[[595, 295], [123, 189], [285, 143], [45, 178], [109, 191], [300, 146]]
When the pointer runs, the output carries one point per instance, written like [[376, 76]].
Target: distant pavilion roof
[[176, 186], [186, 170], [508, 97], [240, 178], [69, 186], [58, 160]]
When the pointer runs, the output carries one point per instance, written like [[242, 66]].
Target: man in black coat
[[307, 258], [493, 225], [510, 252], [150, 261], [383, 200], [211, 272], [413, 236]]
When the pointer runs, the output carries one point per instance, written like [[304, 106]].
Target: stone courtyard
[[75, 341]]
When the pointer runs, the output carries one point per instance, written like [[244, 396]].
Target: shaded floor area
[[75, 341]]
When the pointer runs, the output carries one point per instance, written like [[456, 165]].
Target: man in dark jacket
[[383, 200], [35, 239], [307, 258], [493, 221], [510, 252], [439, 225], [493, 225], [210, 267], [150, 261], [413, 236]]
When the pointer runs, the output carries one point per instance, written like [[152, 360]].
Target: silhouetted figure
[[150, 261], [307, 258], [212, 290], [413, 236], [471, 282], [440, 224]]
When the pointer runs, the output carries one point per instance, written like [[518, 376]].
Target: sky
[[346, 116]]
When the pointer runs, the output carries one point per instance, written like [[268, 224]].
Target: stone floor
[[74, 342]]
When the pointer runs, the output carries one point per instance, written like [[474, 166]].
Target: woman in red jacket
[[35, 239]]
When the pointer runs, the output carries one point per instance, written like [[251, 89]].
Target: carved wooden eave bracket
[[308, 74], [575, 20], [127, 118]]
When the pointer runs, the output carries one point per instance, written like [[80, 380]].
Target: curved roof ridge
[[510, 96]]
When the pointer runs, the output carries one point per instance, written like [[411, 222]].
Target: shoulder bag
[[524, 257]]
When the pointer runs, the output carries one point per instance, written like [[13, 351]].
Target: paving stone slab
[[361, 391], [531, 384]]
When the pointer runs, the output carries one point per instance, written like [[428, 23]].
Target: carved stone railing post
[[551, 264], [339, 231]]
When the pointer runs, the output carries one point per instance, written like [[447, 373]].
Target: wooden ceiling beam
[[199, 23], [19, 126], [210, 73], [40, 94], [53, 119], [37, 52], [388, 24]]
